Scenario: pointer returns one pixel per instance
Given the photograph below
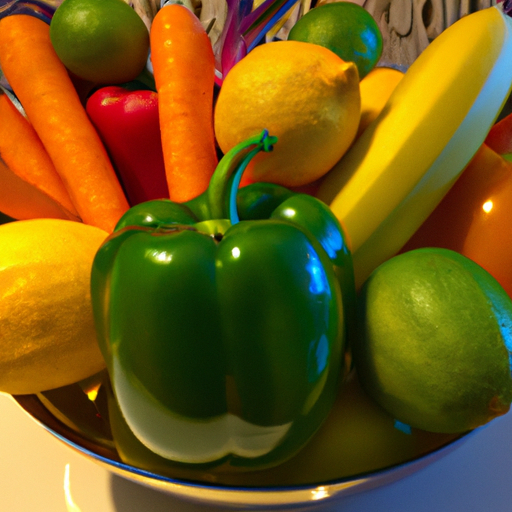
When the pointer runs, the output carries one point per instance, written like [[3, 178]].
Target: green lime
[[345, 28], [103, 41], [435, 334]]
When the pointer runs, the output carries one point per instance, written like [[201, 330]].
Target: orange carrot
[[21, 200], [183, 65], [23, 152], [43, 86]]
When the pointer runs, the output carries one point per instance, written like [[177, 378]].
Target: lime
[[434, 341], [345, 28], [103, 41]]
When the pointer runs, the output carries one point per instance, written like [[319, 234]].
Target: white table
[[38, 473]]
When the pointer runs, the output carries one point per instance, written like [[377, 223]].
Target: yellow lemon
[[47, 334], [302, 93]]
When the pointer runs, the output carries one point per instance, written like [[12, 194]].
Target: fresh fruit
[[376, 88], [400, 168], [46, 323], [302, 93], [475, 217], [345, 28], [103, 41], [434, 341]]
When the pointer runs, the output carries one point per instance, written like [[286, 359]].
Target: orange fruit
[[376, 88]]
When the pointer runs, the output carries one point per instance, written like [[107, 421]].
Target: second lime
[[345, 28]]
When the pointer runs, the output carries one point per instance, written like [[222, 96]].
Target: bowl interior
[[359, 447]]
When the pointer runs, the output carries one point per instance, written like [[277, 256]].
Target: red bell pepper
[[127, 122]]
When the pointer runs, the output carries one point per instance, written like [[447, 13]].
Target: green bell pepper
[[225, 338]]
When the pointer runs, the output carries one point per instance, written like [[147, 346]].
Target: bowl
[[358, 448]]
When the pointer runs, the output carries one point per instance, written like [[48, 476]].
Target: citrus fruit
[[376, 88], [47, 334], [303, 94], [345, 28], [434, 341], [103, 41]]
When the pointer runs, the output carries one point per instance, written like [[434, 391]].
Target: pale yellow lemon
[[303, 94], [47, 334]]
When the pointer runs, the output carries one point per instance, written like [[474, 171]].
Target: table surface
[[38, 473]]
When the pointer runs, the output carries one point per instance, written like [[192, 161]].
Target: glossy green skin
[[264, 201], [219, 327], [346, 29]]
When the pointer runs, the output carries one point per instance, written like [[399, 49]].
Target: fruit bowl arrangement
[[247, 255]]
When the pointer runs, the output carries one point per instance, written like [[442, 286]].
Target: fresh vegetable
[[54, 110], [403, 164], [128, 124], [184, 69], [259, 201], [23, 152], [499, 138], [358, 437], [235, 353], [21, 200]]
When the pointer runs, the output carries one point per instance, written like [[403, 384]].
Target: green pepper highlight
[[221, 320]]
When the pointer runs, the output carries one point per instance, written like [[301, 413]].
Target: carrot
[[43, 86], [184, 70], [23, 152], [21, 200]]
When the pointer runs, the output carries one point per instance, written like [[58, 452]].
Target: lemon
[[102, 41], [47, 334], [302, 93], [347, 29], [434, 341]]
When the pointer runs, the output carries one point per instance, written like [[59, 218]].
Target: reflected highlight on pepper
[[235, 355]]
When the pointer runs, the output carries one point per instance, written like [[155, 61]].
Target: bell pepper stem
[[226, 178]]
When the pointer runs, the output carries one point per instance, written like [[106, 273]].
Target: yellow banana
[[400, 168]]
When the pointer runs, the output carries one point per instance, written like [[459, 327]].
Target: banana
[[403, 164]]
